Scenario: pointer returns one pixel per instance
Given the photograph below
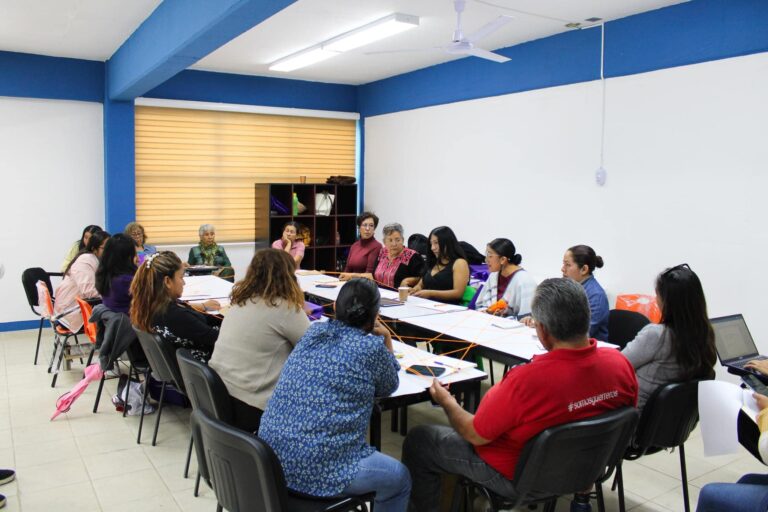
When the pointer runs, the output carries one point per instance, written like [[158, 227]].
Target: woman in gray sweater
[[261, 328], [682, 346]]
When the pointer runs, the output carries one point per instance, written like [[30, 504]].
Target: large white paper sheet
[[719, 406]]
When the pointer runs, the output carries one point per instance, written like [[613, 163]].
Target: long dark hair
[[88, 229], [505, 247], [448, 246], [684, 314], [97, 238], [117, 259], [585, 255]]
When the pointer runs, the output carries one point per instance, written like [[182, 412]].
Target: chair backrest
[[669, 416], [571, 457], [44, 300], [29, 279], [245, 473], [204, 387], [89, 327], [624, 325], [161, 358]]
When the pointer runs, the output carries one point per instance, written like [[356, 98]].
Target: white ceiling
[[94, 29], [82, 29]]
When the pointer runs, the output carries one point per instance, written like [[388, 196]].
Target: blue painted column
[[119, 163]]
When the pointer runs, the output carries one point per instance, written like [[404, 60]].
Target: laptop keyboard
[[741, 364]]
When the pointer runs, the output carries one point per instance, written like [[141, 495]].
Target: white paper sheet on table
[[719, 406]]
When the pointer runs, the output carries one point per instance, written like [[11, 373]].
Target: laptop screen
[[732, 338]]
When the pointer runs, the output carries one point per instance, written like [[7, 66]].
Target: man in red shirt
[[573, 381]]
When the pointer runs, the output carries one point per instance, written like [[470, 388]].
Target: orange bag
[[644, 304]]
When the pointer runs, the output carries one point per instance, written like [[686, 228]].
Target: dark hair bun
[[598, 262], [517, 259]]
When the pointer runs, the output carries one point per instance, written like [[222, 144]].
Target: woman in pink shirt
[[289, 243], [80, 281]]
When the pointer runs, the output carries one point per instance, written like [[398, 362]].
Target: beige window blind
[[198, 166]]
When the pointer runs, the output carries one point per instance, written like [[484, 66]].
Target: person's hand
[[286, 244], [440, 393], [211, 305], [528, 321], [500, 312], [380, 329], [185, 264], [762, 400], [761, 365], [346, 276], [424, 294]]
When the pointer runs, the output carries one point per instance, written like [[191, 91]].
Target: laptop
[[734, 343]]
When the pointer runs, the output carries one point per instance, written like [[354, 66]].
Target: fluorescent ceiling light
[[375, 31], [380, 29], [301, 59]]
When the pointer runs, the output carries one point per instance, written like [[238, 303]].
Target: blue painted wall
[[257, 90], [37, 76]]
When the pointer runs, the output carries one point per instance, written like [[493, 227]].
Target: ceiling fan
[[465, 45]]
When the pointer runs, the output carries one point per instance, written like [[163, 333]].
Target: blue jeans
[[387, 477], [749, 494]]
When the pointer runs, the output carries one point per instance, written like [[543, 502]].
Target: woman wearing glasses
[[363, 253], [682, 346]]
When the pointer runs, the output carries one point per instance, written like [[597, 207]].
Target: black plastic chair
[[562, 460], [162, 367], [624, 325], [207, 392], [29, 279], [670, 415], [246, 474]]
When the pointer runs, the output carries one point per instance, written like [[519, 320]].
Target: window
[[198, 167]]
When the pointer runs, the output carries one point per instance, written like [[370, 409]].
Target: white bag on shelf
[[323, 203]]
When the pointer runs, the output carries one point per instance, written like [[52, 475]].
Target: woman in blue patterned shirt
[[317, 417]]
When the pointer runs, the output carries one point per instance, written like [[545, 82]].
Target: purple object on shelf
[[314, 311], [277, 206], [479, 272]]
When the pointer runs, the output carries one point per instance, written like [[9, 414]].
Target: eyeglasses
[[677, 267], [367, 226]]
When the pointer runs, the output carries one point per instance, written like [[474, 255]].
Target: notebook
[[734, 343]]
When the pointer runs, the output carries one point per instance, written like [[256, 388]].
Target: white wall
[[51, 163], [686, 155]]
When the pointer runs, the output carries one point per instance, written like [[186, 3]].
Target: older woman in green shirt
[[207, 252]]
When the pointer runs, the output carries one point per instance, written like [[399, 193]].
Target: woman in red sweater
[[363, 253]]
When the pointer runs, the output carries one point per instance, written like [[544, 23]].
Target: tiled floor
[[90, 462]]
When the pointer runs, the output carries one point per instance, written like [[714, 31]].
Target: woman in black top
[[156, 289], [447, 272]]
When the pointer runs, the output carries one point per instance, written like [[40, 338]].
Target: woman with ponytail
[[579, 263], [156, 289], [508, 281], [317, 418]]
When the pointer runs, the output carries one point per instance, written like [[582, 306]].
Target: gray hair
[[205, 228], [392, 227], [561, 306]]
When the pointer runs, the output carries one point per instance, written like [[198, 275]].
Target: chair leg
[[98, 394], [600, 499], [90, 356], [39, 336], [189, 456], [197, 485], [620, 483], [58, 363], [56, 342], [159, 412], [143, 402], [490, 367], [550, 505], [127, 390], [219, 508], [684, 475]]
